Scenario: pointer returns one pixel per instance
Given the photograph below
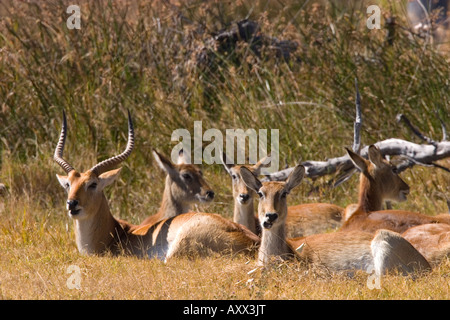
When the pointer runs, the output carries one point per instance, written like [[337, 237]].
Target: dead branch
[[358, 121], [444, 130], [402, 117], [412, 153], [422, 153]]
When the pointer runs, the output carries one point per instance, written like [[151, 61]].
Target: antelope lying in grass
[[302, 220], [98, 232], [378, 181], [184, 186], [337, 251], [431, 240]]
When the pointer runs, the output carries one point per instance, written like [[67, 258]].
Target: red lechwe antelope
[[97, 231], [384, 251], [431, 240], [184, 186], [378, 181], [302, 220]]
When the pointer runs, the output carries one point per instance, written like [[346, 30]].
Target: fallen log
[[421, 154], [410, 153]]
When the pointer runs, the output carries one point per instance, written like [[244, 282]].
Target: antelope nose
[[244, 197], [72, 204], [271, 217], [210, 194]]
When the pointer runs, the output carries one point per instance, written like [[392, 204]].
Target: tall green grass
[[143, 56]]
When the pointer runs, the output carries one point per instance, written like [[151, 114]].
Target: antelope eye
[[260, 194], [93, 186], [394, 170], [233, 176], [284, 194], [186, 176]]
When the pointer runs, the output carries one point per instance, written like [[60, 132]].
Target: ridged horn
[[60, 147], [110, 163]]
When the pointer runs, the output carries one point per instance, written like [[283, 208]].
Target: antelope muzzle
[[269, 219], [73, 207]]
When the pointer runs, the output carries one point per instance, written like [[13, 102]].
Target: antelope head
[[184, 182], [272, 208], [85, 189], [381, 176], [241, 193]]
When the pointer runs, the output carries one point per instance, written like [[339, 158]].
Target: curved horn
[[60, 148], [110, 163]]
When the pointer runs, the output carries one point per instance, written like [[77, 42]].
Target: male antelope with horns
[[98, 232]]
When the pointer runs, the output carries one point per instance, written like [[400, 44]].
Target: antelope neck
[[97, 232], [370, 198], [244, 214], [169, 206], [273, 243]]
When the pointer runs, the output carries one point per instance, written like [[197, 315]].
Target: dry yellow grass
[[44, 277], [121, 59], [38, 249]]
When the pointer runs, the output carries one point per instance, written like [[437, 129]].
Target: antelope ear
[[64, 181], [375, 156], [225, 163], [165, 164], [263, 163], [108, 177], [359, 162], [250, 180], [182, 158], [295, 178]]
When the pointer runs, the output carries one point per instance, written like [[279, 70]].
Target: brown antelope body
[[431, 240], [337, 251], [302, 220], [313, 218], [378, 181], [98, 232]]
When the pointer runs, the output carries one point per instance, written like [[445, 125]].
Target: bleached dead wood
[[410, 153], [358, 121], [414, 153]]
